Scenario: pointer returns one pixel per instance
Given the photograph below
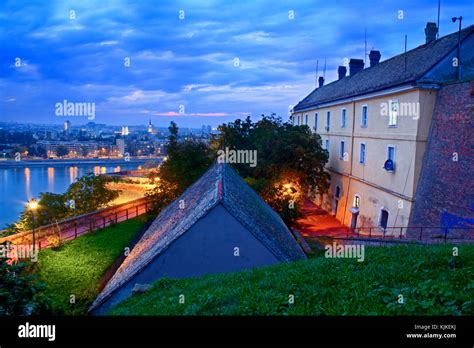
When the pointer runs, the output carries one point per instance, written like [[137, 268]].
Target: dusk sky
[[224, 60]]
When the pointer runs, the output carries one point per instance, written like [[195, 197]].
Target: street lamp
[[33, 205], [458, 67]]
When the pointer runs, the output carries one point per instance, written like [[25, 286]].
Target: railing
[[72, 228], [422, 233]]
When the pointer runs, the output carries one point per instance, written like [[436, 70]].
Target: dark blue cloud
[[191, 62]]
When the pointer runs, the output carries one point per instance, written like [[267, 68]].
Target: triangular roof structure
[[219, 185]]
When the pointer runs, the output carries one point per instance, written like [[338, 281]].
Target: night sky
[[223, 60]]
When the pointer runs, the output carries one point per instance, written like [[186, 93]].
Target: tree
[[51, 208], [186, 162], [290, 161], [90, 193], [87, 194], [61, 151], [20, 292]]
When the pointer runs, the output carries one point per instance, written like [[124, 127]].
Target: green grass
[[431, 280], [77, 266]]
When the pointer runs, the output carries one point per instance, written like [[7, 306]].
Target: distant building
[[219, 224], [125, 130], [379, 128], [150, 127], [67, 126], [120, 146]]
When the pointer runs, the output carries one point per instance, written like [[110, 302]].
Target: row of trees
[[290, 162], [87, 194]]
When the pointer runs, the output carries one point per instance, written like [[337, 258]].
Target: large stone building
[[377, 123]]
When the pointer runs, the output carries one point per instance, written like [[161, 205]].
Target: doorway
[[383, 219]]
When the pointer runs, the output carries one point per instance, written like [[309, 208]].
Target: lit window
[[343, 118], [362, 154], [364, 116], [356, 202], [393, 113]]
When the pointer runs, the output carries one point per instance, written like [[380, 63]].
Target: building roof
[[387, 74], [219, 185]]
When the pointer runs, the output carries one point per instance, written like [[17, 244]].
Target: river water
[[18, 184]]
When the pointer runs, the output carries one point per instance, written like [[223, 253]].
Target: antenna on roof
[[317, 70], [365, 46], [405, 52], [439, 8], [324, 71]]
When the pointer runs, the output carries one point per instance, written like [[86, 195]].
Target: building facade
[[376, 123]]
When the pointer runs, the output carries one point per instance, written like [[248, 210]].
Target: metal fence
[[72, 228], [430, 234]]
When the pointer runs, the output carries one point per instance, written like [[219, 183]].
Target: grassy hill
[[431, 280], [77, 267]]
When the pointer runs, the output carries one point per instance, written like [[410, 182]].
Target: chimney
[[341, 71], [374, 57], [355, 65], [430, 31], [321, 81]]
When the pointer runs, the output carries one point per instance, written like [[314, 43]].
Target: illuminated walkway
[[316, 222]]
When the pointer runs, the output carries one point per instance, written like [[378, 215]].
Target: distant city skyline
[[196, 63]]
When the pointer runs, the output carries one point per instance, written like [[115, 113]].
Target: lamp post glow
[[33, 205]]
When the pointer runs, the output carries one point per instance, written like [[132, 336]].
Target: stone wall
[[445, 195]]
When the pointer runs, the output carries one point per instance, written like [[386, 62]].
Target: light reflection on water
[[18, 185]]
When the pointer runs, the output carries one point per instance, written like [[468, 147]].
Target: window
[[390, 163], [326, 144], [341, 153], [343, 118], [391, 153], [364, 116], [338, 191], [315, 121], [393, 113], [328, 120], [306, 119], [356, 203], [383, 218], [362, 154]]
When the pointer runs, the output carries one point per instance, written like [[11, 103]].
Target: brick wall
[[445, 195]]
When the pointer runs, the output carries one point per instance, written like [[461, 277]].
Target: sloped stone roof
[[387, 74], [219, 185]]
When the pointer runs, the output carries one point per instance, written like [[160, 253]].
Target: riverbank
[[77, 161]]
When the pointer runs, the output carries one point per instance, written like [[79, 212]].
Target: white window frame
[[393, 119], [343, 117], [360, 152], [326, 144], [362, 116]]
